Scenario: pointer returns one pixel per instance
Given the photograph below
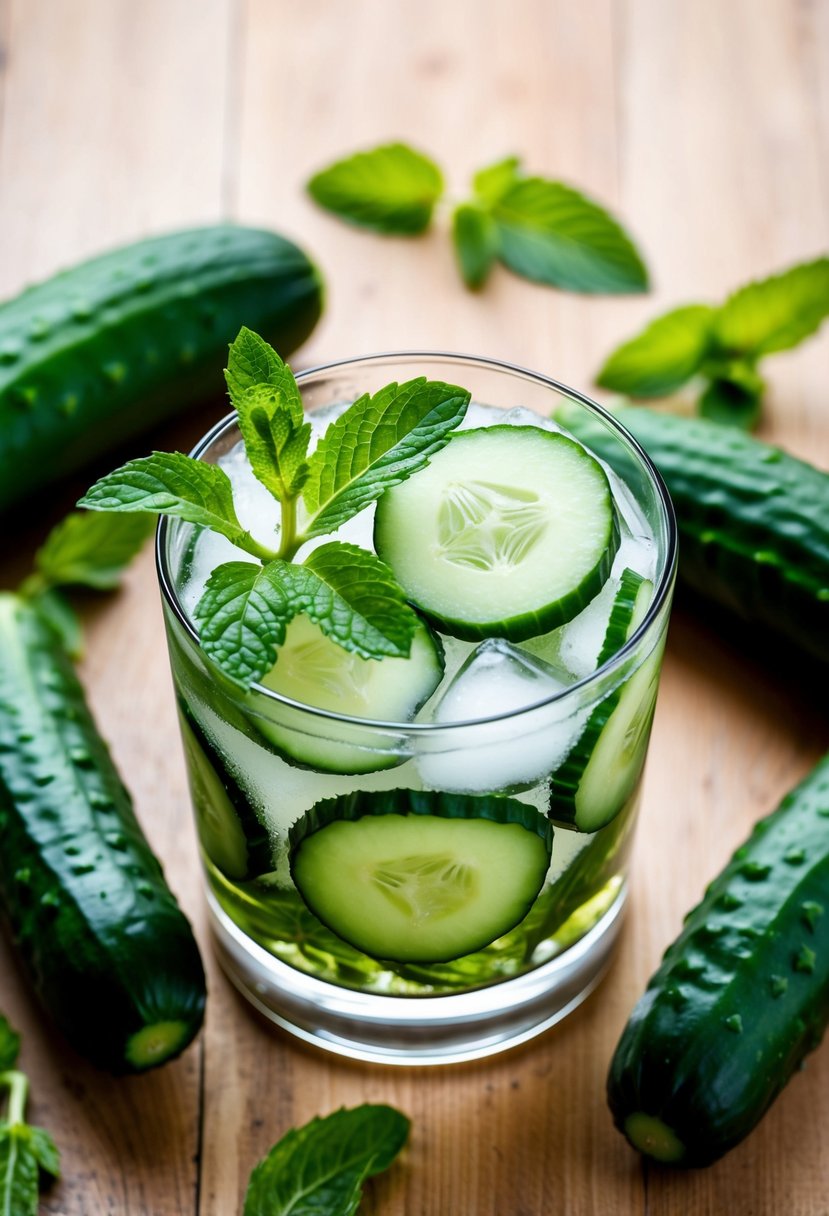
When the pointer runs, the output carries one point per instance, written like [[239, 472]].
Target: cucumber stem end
[[653, 1138]]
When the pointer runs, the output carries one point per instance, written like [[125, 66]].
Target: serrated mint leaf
[[391, 189], [169, 483], [375, 444], [275, 444], [356, 601], [475, 237], [353, 597], [56, 610], [552, 234], [319, 1169], [18, 1172], [775, 313], [663, 356], [252, 362], [9, 1045], [45, 1151], [494, 181], [734, 397], [91, 549], [242, 616]]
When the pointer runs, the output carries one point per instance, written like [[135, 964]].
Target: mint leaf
[[775, 313], [320, 1168], [18, 1172], [275, 445], [242, 616], [9, 1045], [378, 442], [61, 616], [734, 396], [90, 549], [352, 596], [356, 601], [45, 1151], [475, 236], [492, 183], [391, 189], [169, 483], [251, 363], [663, 356], [552, 234]]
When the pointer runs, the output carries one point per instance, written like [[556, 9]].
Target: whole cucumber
[[102, 351], [108, 950], [753, 521], [741, 996]]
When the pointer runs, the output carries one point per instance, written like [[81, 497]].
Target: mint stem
[[289, 541], [18, 1087]]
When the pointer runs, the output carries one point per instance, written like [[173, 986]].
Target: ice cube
[[510, 752]]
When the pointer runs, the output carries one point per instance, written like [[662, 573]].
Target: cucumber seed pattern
[[341, 674], [486, 526], [426, 886]]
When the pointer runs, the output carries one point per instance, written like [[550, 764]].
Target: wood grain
[[706, 127]]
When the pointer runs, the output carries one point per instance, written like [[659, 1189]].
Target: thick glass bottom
[[416, 1030]]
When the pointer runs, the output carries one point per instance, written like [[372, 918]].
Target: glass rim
[[661, 591]]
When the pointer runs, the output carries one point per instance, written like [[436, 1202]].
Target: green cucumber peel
[[715, 350], [27, 1154], [540, 229], [322, 1166], [378, 442]]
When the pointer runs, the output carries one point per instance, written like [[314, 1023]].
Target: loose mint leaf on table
[[663, 357], [493, 182], [348, 592], [375, 444], [734, 396], [45, 1151], [475, 236], [552, 234], [776, 313], [169, 483], [62, 617], [92, 550], [319, 1169], [19, 1176], [723, 345], [9, 1045], [391, 189]]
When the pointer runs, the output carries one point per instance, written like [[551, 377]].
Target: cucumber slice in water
[[601, 772], [229, 832], [508, 532], [313, 670], [414, 877]]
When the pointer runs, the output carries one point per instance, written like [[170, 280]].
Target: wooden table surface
[[705, 125]]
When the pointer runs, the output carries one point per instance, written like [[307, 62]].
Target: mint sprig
[[721, 347], [26, 1153], [322, 1167], [540, 229], [352, 596], [391, 189]]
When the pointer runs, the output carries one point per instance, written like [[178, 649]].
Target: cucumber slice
[[414, 877], [229, 833], [313, 670], [508, 532], [601, 772]]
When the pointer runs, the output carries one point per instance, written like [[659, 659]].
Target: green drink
[[423, 858]]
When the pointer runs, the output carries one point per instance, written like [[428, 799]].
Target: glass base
[[416, 1030]]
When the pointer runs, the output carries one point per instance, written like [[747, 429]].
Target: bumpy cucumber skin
[[742, 995], [104, 350], [753, 522], [105, 944]]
